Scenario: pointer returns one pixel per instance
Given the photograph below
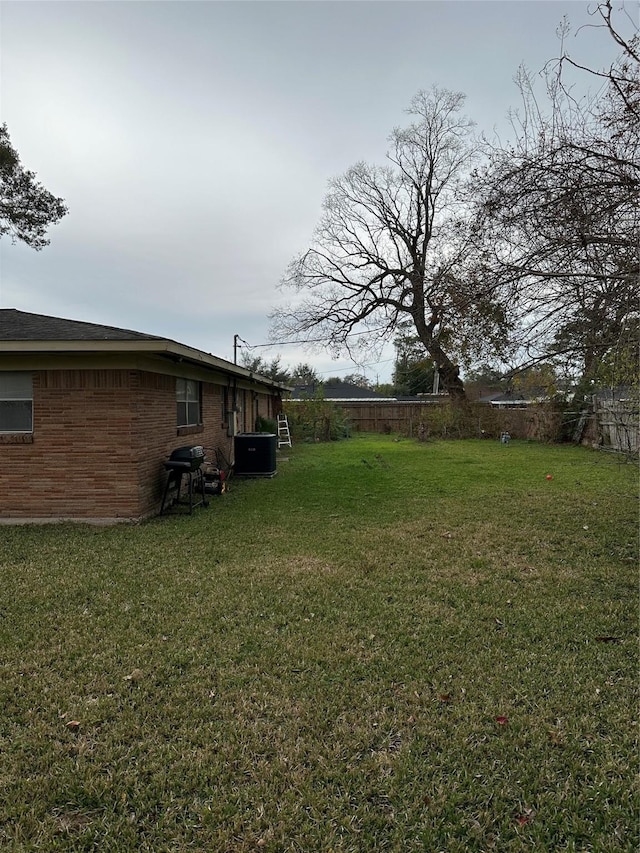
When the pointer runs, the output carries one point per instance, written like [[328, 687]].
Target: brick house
[[89, 413]]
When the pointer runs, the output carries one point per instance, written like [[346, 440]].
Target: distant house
[[516, 399], [620, 394], [342, 392], [89, 413], [508, 400], [369, 411]]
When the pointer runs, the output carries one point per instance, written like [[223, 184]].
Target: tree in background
[[485, 380], [357, 379], [540, 380], [304, 374], [558, 218], [620, 367], [390, 249], [27, 209], [271, 369]]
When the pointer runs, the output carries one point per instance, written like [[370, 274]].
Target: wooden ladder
[[284, 436]]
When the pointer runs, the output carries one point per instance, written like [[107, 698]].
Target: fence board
[[619, 425]]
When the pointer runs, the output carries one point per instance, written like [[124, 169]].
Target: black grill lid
[[185, 458], [186, 454]]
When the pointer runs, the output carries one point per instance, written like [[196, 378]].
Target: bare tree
[[559, 216], [390, 246], [27, 209], [623, 74]]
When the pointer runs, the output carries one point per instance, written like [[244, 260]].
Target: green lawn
[[389, 646]]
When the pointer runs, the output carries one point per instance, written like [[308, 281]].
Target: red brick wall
[[155, 433], [99, 441], [79, 464]]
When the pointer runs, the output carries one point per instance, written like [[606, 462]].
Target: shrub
[[316, 419], [542, 422], [266, 425]]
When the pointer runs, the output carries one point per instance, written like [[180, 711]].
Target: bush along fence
[[611, 426], [316, 419]]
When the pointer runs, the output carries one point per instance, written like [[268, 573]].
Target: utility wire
[[369, 364], [313, 340]]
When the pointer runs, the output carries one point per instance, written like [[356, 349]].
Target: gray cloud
[[193, 140]]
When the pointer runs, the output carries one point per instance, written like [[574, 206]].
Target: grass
[[389, 646]]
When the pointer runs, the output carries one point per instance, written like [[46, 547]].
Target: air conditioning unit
[[255, 454]]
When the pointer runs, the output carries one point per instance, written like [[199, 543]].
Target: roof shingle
[[22, 326]]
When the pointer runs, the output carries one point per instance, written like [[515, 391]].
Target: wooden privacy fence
[[618, 422], [385, 417], [440, 419], [610, 425]]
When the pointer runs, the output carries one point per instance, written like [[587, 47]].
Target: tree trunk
[[450, 377], [449, 372]]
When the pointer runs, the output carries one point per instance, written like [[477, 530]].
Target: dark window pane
[[16, 416]]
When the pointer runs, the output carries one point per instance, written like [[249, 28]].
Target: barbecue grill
[[185, 458], [185, 461]]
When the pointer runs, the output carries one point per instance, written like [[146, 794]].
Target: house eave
[[171, 350]]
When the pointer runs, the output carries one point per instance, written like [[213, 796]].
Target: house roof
[[344, 392], [23, 333], [23, 326], [620, 393], [505, 398]]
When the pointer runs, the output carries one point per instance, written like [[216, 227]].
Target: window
[[189, 399], [16, 402]]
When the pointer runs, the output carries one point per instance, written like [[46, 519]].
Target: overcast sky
[[193, 141]]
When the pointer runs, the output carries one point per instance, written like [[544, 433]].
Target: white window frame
[[188, 402], [16, 387]]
